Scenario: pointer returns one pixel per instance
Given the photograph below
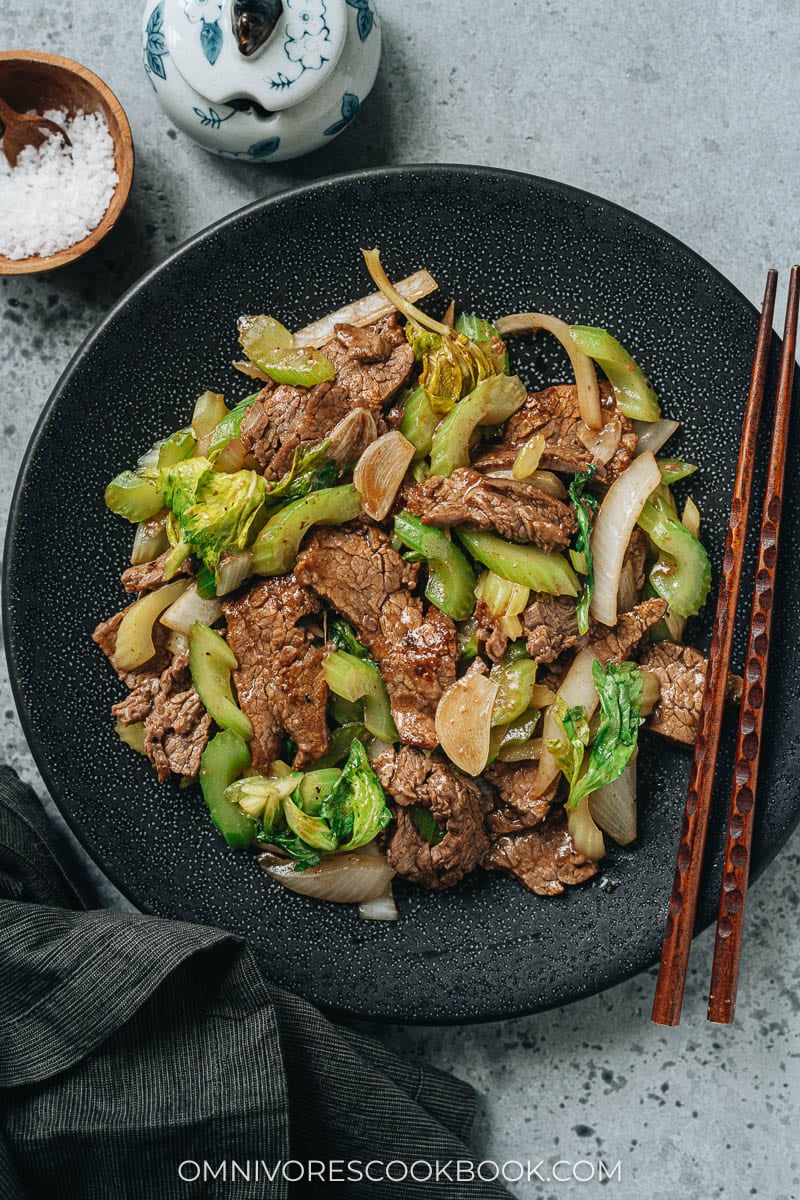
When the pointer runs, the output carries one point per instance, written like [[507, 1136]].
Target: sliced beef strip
[[144, 577], [372, 362], [555, 414], [286, 418], [544, 858], [161, 696], [681, 674], [616, 644], [551, 626], [356, 571], [517, 806], [411, 778], [518, 511], [279, 680], [490, 636], [177, 727]]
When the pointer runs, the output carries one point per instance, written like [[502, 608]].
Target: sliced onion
[[541, 696], [612, 531], [178, 644], [449, 314], [349, 439], [577, 687], [150, 540], [653, 434], [251, 370], [233, 570], [380, 471], [343, 878], [626, 592], [134, 645], [602, 444], [464, 722], [365, 311], [613, 806], [690, 517], [582, 365], [381, 909], [191, 607], [581, 827], [232, 457], [528, 457], [548, 481]]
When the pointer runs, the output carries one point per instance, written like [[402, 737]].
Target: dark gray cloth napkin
[[135, 1050]]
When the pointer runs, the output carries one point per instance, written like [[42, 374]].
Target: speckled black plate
[[498, 242]]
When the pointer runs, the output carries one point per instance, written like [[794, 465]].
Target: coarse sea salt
[[56, 195]]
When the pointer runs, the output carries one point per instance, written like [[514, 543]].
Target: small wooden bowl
[[30, 79]]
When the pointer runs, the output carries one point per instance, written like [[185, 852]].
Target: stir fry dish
[[398, 615]]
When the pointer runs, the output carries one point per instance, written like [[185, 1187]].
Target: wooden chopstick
[[730, 921], [686, 883]]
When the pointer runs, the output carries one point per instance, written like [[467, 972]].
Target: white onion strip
[[615, 522], [613, 806], [343, 878], [577, 688], [366, 310], [379, 472], [464, 721], [652, 435], [582, 365]]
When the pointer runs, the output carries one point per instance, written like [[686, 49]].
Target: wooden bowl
[[30, 79]]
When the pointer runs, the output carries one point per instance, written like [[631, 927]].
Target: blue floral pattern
[[307, 39], [264, 148], [350, 107], [212, 119], [365, 19], [207, 13], [155, 44]]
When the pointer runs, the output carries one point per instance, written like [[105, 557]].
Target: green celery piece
[[513, 735], [353, 678], [634, 393], [229, 428], [314, 831], [426, 824], [492, 402], [619, 686], [271, 347], [515, 681], [585, 507], [211, 662], [682, 575], [355, 808], [276, 547], [342, 739], [315, 786], [521, 564], [480, 331], [176, 448], [569, 752], [131, 496], [419, 422], [451, 581], [224, 759], [262, 798], [345, 712], [468, 639], [673, 470]]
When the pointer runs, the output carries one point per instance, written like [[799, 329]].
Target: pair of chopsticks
[[688, 868]]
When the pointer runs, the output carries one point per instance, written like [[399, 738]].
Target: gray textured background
[[689, 114]]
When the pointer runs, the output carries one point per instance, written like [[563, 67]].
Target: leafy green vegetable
[[304, 856], [314, 831], [271, 347], [179, 485], [343, 636], [452, 366], [314, 787], [585, 506], [634, 393], [342, 739], [491, 402], [484, 334], [229, 428], [222, 517], [451, 580], [426, 824], [521, 564], [209, 410], [356, 807], [468, 639], [673, 470], [682, 575], [619, 687], [569, 754], [262, 797], [276, 547], [312, 469]]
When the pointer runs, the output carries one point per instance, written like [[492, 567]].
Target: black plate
[[499, 242]]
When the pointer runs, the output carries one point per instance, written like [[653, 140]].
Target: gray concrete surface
[[689, 114]]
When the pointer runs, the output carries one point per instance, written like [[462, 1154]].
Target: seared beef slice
[[681, 674], [279, 681], [411, 778], [355, 570], [544, 858], [516, 510], [372, 362]]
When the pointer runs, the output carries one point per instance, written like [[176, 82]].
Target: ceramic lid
[[295, 60]]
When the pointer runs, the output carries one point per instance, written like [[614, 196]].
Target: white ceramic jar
[[261, 103]]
